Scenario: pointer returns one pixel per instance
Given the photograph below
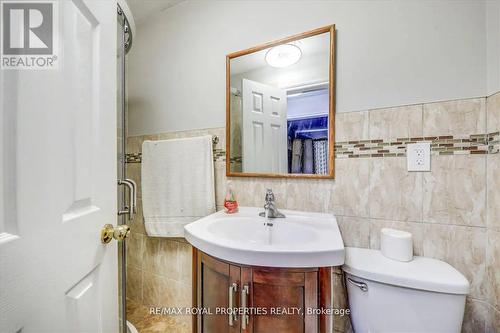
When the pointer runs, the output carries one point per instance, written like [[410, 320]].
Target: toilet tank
[[423, 295]]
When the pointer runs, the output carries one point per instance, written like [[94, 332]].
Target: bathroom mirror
[[280, 108]]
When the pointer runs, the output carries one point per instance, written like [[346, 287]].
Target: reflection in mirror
[[280, 109]]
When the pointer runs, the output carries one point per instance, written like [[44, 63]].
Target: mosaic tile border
[[219, 156], [475, 144], [133, 157], [237, 159]]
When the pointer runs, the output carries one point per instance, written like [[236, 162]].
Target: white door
[[58, 184], [265, 148]]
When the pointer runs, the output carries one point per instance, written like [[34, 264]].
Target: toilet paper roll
[[396, 244]]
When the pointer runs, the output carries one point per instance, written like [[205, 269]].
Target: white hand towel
[[177, 184]]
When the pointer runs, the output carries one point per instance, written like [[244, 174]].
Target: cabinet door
[[218, 285], [277, 290]]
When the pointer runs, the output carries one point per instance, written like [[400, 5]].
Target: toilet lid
[[420, 273]]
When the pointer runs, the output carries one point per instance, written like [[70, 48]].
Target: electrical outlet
[[418, 156]]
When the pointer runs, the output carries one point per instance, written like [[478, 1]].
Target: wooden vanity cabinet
[[292, 289], [214, 279]]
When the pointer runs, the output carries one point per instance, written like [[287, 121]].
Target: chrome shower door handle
[[361, 285], [132, 188], [133, 196]]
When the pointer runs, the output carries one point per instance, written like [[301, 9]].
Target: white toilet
[[423, 295]]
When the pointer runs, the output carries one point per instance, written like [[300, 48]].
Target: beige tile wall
[[455, 117], [453, 211], [492, 278], [159, 270]]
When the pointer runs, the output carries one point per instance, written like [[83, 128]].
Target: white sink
[[300, 239]]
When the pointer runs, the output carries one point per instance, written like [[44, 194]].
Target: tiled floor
[[144, 322]]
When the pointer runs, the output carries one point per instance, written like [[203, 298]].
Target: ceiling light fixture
[[283, 55]]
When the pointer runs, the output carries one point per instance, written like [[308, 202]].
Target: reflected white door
[[265, 148], [58, 182]]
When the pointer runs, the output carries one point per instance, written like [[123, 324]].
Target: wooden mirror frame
[[331, 114]]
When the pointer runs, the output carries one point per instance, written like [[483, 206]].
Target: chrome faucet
[[270, 207]]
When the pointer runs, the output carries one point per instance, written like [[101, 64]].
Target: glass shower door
[[120, 158]]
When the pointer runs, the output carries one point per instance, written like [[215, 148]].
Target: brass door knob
[[108, 232]]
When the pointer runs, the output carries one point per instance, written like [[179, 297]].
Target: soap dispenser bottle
[[230, 203]]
